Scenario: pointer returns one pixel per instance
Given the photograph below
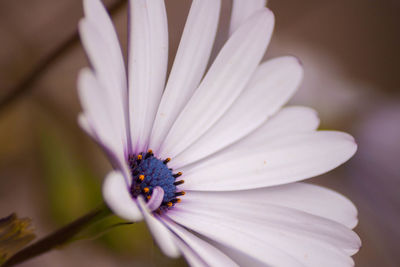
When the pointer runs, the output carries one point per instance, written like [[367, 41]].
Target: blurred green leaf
[[15, 233], [71, 188]]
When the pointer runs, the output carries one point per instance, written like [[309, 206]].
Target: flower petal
[[273, 83], [116, 195], [312, 199], [161, 234], [222, 84], [209, 254], [94, 103], [242, 10], [85, 125], [101, 21], [156, 198], [148, 58], [117, 160], [189, 66], [101, 44], [309, 239], [288, 121], [278, 161], [191, 257], [231, 236], [239, 256], [271, 216]]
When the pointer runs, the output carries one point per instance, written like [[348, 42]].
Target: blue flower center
[[149, 172]]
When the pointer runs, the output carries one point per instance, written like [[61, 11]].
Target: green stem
[[58, 237]]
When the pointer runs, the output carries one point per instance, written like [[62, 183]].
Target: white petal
[[240, 257], [189, 66], [232, 236], [225, 80], [117, 161], [273, 83], [105, 55], [191, 257], [85, 125], [288, 121], [242, 10], [278, 161], [309, 239], [94, 103], [271, 217], [209, 254], [161, 234], [312, 199], [99, 18], [156, 198], [148, 58], [116, 195]]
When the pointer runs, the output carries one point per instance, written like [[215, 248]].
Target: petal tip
[[118, 199]]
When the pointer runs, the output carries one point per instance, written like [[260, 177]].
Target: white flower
[[222, 137]]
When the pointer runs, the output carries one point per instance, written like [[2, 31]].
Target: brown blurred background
[[52, 172]]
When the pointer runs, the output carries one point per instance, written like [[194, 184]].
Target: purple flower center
[[149, 172]]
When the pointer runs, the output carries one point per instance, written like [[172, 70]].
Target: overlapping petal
[[101, 43], [279, 160], [222, 84], [308, 198], [242, 10], [288, 121], [98, 111], [190, 62], [162, 235], [229, 233], [270, 87], [148, 59], [294, 233], [201, 253], [119, 200]]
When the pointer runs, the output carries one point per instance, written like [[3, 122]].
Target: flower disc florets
[[149, 172]]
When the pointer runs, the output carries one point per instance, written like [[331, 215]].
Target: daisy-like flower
[[210, 160]]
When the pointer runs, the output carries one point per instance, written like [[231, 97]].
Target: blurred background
[[51, 171]]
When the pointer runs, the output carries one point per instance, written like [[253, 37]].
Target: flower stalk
[[60, 237]]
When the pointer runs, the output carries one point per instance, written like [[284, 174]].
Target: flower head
[[210, 159]]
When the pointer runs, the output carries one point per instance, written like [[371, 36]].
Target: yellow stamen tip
[[183, 193], [169, 204], [139, 157], [148, 197], [150, 151], [146, 189], [178, 200], [141, 177]]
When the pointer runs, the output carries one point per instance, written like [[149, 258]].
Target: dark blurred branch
[[26, 84], [59, 237]]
